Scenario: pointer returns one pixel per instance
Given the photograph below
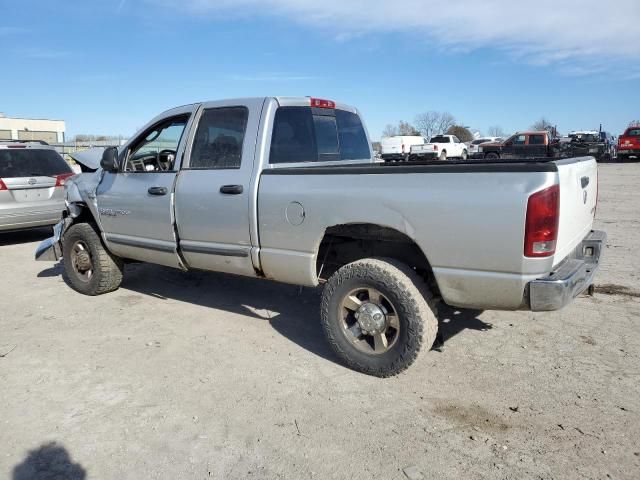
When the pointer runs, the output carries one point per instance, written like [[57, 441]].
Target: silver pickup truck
[[286, 189]]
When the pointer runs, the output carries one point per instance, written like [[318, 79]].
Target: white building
[[51, 131]]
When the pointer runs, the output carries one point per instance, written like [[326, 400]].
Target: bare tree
[[403, 128], [434, 123], [389, 131], [543, 124], [496, 131], [634, 123]]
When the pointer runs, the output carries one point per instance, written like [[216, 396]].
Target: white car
[[473, 146], [440, 147], [397, 148]]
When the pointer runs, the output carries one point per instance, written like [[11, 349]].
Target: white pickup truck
[[285, 189], [440, 147]]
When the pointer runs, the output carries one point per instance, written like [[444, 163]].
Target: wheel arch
[[346, 243]]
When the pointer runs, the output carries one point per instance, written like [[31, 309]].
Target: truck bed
[[470, 227]]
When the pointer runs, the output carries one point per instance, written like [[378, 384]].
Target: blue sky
[[107, 67]]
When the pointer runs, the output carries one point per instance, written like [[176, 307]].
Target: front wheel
[[492, 156], [376, 315], [88, 267]]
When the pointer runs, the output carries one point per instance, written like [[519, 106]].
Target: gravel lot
[[195, 375]]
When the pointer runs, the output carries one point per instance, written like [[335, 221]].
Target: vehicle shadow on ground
[[48, 462], [291, 310], [25, 236]]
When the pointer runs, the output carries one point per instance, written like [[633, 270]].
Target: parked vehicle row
[[600, 144], [286, 189]]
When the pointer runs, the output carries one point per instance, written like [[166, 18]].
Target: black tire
[[106, 270], [492, 156], [408, 294]]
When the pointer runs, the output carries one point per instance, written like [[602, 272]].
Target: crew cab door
[[135, 204], [459, 147], [215, 193], [537, 145], [515, 146]]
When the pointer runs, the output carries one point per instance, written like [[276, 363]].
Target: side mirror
[[109, 161]]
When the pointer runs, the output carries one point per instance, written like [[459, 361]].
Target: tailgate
[[427, 147], [578, 197], [629, 143]]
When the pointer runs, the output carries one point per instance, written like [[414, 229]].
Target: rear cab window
[[31, 162], [308, 134], [632, 132]]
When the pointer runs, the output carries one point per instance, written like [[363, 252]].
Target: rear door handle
[[231, 189], [157, 191]]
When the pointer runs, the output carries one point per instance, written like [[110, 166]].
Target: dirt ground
[[195, 375]]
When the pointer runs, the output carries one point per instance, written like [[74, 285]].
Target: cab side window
[[219, 138], [536, 139], [519, 139], [155, 150]]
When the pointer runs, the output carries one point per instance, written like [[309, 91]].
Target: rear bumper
[[570, 278], [423, 155], [50, 250], [629, 153], [393, 156], [18, 219]]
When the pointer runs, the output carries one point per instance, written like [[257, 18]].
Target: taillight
[[60, 179], [541, 225], [320, 103], [403, 148], [435, 147], [2, 185]]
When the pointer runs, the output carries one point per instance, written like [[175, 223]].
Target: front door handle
[[157, 191], [231, 189]]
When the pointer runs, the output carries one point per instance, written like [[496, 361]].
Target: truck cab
[[521, 145]]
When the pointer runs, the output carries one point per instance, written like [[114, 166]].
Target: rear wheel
[[443, 155], [88, 267], [376, 315], [465, 155]]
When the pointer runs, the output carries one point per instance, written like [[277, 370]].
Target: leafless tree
[[496, 131], [543, 124], [434, 123], [634, 123], [403, 128], [390, 131]]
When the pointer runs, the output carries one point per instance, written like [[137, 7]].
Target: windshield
[[27, 162]]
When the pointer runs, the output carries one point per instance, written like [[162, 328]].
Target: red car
[[629, 144]]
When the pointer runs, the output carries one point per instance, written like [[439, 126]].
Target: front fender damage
[[77, 199]]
